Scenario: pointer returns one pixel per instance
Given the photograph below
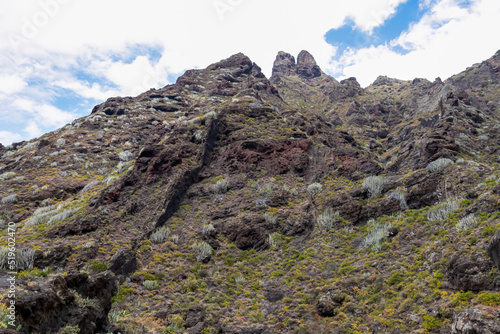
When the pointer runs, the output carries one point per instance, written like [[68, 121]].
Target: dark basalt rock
[[469, 273], [123, 262], [55, 303], [494, 250], [284, 64], [476, 321], [306, 66], [329, 303]]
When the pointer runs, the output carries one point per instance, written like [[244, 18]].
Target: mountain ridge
[[233, 203]]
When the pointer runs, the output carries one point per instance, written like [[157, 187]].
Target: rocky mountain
[[233, 203]]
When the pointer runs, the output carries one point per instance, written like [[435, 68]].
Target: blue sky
[[351, 36], [59, 58]]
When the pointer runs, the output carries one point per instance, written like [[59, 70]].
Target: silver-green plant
[[4, 252], [314, 188], [400, 196], [203, 250], [239, 280], [266, 190], [198, 136], [25, 258], [150, 284], [159, 235], [7, 175], [443, 210], [63, 215], [12, 198], [208, 229], [466, 222], [292, 191], [274, 239], [269, 218], [374, 185], [125, 156], [438, 165], [220, 187], [327, 219], [376, 234], [50, 214]]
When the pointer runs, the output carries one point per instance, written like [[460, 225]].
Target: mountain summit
[[233, 203]]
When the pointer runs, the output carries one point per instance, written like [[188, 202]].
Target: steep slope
[[230, 203]]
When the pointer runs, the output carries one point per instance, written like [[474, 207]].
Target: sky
[[59, 58]]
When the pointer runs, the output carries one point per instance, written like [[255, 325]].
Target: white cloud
[[11, 84], [45, 114], [445, 41], [33, 130], [81, 46], [7, 137]]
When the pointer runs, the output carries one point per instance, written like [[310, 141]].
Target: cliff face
[[233, 203]]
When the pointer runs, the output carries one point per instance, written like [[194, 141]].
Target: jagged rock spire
[[306, 66], [284, 64]]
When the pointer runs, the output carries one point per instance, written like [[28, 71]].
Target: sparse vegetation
[[443, 210], [208, 229], [160, 235], [466, 222], [374, 185], [377, 232], [400, 196], [327, 219], [220, 187], [270, 219], [150, 284], [203, 250], [12, 198], [7, 176], [438, 165]]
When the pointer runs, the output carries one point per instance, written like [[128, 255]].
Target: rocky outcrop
[[469, 273], [284, 65], [75, 299], [329, 303], [123, 262], [475, 321], [494, 250], [306, 66]]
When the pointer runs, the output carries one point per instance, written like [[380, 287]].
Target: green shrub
[[98, 266], [70, 330], [430, 323], [462, 298], [229, 260], [489, 298], [396, 278]]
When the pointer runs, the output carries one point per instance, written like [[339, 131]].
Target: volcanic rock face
[[306, 66], [284, 64], [232, 203]]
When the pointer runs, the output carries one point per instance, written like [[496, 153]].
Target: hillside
[[233, 203]]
